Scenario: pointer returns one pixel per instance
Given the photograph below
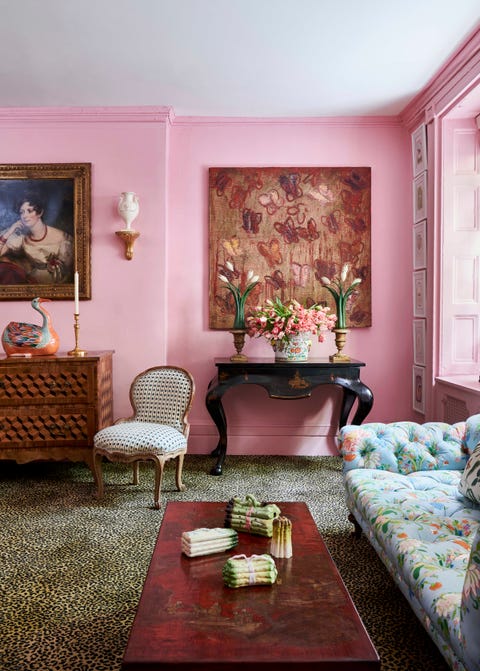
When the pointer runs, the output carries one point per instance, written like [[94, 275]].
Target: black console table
[[286, 381]]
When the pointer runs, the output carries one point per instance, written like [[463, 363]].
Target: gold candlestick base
[[76, 327], [340, 338], [238, 342]]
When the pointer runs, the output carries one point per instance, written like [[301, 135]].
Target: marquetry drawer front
[[20, 386], [55, 425]]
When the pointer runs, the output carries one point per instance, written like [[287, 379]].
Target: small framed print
[[419, 341], [418, 381], [420, 197], [419, 293], [419, 149], [420, 245]]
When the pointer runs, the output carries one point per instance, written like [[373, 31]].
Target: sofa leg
[[357, 532]]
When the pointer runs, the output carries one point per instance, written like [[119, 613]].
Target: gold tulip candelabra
[[340, 295]]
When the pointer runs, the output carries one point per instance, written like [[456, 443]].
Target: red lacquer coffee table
[[188, 619]]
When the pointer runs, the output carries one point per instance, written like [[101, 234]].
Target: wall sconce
[[128, 208]]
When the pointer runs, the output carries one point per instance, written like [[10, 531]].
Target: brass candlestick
[[340, 338], [76, 327]]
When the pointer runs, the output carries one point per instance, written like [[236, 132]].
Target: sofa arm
[[470, 608], [404, 447]]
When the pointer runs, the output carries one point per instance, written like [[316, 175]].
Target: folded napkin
[[207, 541], [243, 571]]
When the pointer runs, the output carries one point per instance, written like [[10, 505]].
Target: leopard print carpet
[[72, 568]]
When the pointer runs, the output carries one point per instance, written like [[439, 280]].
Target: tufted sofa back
[[404, 447]]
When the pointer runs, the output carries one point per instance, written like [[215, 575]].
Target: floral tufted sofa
[[414, 489]]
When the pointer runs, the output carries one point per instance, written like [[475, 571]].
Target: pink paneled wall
[[153, 309], [257, 423]]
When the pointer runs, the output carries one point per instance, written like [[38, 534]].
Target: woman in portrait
[[32, 252]]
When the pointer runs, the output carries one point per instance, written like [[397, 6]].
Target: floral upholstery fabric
[[470, 481], [402, 484]]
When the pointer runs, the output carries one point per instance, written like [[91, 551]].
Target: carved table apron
[[285, 380]]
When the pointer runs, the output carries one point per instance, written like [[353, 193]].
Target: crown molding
[[457, 76], [147, 114], [352, 121]]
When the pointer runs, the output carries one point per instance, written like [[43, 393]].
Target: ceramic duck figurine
[[30, 339]]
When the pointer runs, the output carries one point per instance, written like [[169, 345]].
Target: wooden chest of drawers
[[52, 406]]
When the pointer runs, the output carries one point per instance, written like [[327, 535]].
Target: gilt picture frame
[[45, 211]]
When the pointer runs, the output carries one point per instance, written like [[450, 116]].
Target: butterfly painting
[[291, 226], [251, 220], [276, 280], [271, 252], [271, 201], [300, 274]]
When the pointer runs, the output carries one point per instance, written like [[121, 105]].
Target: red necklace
[[39, 239]]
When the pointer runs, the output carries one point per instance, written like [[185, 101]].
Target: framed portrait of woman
[[45, 230]]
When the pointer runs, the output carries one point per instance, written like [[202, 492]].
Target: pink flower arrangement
[[278, 322]]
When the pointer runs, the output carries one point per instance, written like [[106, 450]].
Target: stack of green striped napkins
[[250, 515], [243, 571], [207, 541]]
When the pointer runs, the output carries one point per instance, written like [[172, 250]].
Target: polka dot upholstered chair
[[161, 398]]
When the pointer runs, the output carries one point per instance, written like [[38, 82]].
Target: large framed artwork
[[44, 230], [291, 227]]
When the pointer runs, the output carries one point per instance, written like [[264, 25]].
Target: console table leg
[[365, 403], [354, 389], [217, 413], [347, 404]]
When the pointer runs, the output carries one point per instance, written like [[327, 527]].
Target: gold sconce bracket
[[128, 236]]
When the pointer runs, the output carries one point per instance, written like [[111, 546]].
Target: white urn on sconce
[[128, 208]]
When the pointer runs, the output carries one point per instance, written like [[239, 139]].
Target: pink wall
[[257, 423], [127, 151], [153, 309]]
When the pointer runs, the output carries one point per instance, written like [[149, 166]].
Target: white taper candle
[[75, 286]]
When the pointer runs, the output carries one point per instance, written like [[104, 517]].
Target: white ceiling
[[265, 58]]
